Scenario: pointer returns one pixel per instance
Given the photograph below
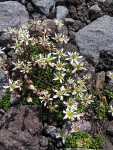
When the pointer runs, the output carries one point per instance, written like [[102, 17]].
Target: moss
[[83, 140], [5, 101]]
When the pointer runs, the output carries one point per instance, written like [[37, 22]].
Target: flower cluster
[[46, 71]]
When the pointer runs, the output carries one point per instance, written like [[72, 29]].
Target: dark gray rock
[[13, 98], [53, 132], [78, 149], [95, 12], [69, 21], [77, 25], [110, 128], [12, 14], [30, 7], [37, 16], [48, 129], [2, 77], [56, 135], [96, 38], [107, 145], [75, 2], [44, 5], [43, 141], [1, 74], [52, 146], [21, 129], [70, 48]]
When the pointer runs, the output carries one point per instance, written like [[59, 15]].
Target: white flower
[[78, 90], [75, 127], [48, 60], [16, 45], [71, 103], [78, 115], [111, 110], [58, 37], [13, 85], [73, 57], [59, 76], [69, 114], [43, 40], [52, 107], [59, 53], [60, 66], [9, 30], [64, 39], [26, 68], [58, 23], [37, 22], [110, 75], [32, 87], [78, 66], [80, 82], [1, 50], [18, 65], [41, 61], [29, 99], [86, 99], [59, 93], [45, 98], [70, 81], [87, 77]]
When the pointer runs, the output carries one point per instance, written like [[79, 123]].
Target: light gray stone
[[44, 5], [96, 38], [95, 12], [12, 14], [48, 129], [107, 1], [61, 13], [84, 126]]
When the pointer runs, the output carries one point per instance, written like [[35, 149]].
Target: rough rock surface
[[12, 14], [61, 12], [21, 129], [44, 5], [77, 149], [107, 1], [110, 128], [1, 81], [95, 12], [96, 38]]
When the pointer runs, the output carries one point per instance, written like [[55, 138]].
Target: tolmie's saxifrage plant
[[47, 75]]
